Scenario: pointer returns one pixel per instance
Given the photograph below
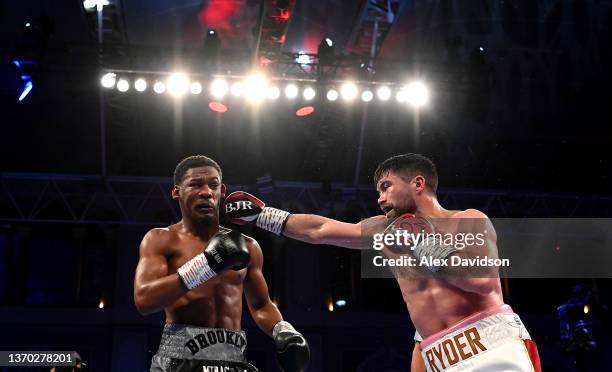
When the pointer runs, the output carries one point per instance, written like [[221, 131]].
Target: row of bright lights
[[256, 88]]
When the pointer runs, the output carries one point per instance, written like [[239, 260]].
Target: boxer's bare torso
[[216, 303], [435, 303]]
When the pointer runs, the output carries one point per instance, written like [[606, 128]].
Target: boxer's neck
[[428, 206]]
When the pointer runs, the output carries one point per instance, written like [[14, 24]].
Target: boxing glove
[[242, 208], [225, 251], [292, 351]]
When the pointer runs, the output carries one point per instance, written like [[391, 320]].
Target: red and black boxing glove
[[242, 208]]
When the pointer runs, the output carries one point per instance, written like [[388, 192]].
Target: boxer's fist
[[242, 208], [227, 251], [224, 251], [292, 351]]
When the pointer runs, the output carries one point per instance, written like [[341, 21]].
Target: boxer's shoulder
[[159, 239], [468, 213], [160, 234]]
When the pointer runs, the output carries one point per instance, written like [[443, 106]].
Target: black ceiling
[[532, 114]]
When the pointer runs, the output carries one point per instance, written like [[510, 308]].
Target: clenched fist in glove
[[242, 208], [292, 351], [225, 251]]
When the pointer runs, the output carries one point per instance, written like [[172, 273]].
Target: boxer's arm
[[154, 289], [417, 364], [242, 208], [263, 310], [314, 229]]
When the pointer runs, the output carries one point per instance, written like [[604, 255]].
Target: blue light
[[26, 90], [340, 303], [26, 77], [16, 63]]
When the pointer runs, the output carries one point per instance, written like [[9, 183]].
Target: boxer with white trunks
[[196, 271], [437, 303]]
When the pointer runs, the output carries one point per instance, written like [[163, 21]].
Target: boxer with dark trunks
[[462, 317], [196, 271]]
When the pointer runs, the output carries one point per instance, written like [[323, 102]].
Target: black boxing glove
[[292, 351], [225, 251], [242, 208]]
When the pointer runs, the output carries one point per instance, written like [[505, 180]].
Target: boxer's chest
[[187, 248]]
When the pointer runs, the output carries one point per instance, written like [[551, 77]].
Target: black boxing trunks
[[185, 348]]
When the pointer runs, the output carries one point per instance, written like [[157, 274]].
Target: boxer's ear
[[223, 190], [175, 192], [419, 184]]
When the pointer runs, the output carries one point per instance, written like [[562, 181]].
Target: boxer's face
[[395, 195], [199, 193]]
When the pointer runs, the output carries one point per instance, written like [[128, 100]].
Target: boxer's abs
[[216, 303], [435, 305]]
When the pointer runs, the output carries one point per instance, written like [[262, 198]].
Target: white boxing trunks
[[491, 340], [185, 348]]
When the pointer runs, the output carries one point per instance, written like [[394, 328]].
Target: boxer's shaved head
[[408, 166], [194, 161]]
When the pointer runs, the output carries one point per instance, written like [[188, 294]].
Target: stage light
[[332, 95], [218, 88], [401, 95], [256, 87], [417, 94], [27, 88], [237, 89], [177, 84], [340, 303], [348, 91], [305, 111], [195, 87], [217, 107], [101, 304], [309, 93], [108, 80], [28, 24], [140, 85], [325, 52], [367, 96], [303, 58], [89, 4], [273, 92], [159, 87], [383, 93], [123, 85], [212, 45], [291, 91], [95, 4]]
